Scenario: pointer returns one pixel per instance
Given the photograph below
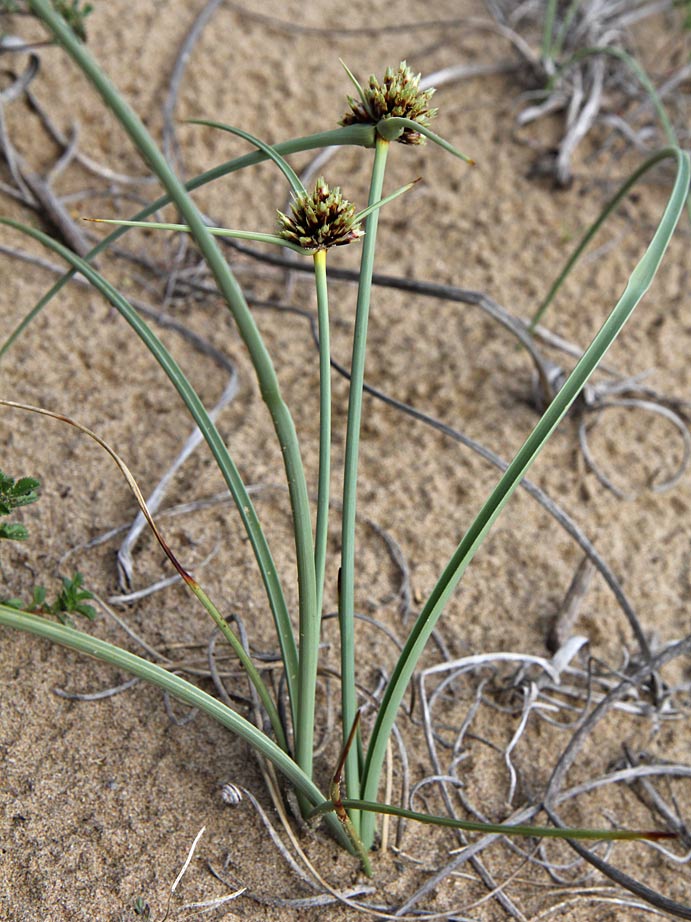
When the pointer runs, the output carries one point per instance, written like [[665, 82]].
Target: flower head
[[320, 220], [398, 96]]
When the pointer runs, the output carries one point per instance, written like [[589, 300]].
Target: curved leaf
[[638, 283]]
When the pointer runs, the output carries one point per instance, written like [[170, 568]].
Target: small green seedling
[[13, 495], [71, 600], [142, 908]]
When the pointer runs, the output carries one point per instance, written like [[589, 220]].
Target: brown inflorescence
[[320, 220], [398, 96]]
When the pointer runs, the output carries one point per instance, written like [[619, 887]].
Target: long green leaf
[[232, 293], [177, 687], [257, 236], [590, 233], [548, 29], [211, 435], [251, 670], [507, 829], [622, 55], [635, 67], [638, 283], [268, 149], [355, 135]]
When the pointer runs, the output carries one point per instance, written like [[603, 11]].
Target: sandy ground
[[102, 799]]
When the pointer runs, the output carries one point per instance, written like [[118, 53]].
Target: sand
[[102, 799]]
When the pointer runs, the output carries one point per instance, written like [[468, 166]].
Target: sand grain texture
[[101, 800]]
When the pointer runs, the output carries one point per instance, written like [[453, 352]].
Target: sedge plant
[[381, 113], [597, 27]]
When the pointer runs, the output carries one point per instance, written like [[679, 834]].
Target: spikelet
[[398, 96], [320, 220]]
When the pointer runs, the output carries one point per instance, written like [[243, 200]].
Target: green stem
[[310, 616], [335, 792], [351, 832], [232, 293], [346, 602], [323, 494]]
